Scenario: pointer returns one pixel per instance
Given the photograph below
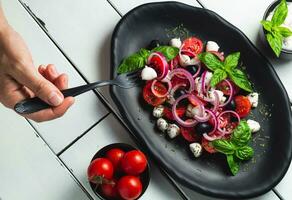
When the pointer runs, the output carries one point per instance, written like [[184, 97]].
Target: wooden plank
[[109, 131], [29, 169], [123, 7], [87, 109]]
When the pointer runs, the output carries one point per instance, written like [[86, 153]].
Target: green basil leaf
[[280, 13], [285, 32], [267, 25], [233, 164], [211, 61], [144, 53], [241, 134], [224, 146], [244, 153], [240, 79], [275, 40], [218, 76], [231, 61], [168, 51], [132, 63]]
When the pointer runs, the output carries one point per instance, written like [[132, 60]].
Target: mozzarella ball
[[158, 111], [212, 46], [175, 42], [173, 130], [192, 111], [162, 124], [148, 73], [254, 99], [253, 125], [196, 149]]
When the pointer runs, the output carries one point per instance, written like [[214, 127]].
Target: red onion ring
[[230, 96], [220, 115], [164, 62], [187, 74], [156, 93], [207, 136], [174, 88], [203, 81], [188, 123]]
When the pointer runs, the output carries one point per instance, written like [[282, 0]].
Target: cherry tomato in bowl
[[105, 191]]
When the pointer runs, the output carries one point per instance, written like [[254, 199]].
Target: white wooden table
[[49, 160]]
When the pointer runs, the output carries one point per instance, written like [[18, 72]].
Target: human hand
[[19, 79]]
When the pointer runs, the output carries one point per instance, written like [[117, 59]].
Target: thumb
[[40, 86]]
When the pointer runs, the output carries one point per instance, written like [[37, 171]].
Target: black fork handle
[[28, 106]]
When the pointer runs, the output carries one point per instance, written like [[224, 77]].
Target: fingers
[[52, 113], [38, 84]]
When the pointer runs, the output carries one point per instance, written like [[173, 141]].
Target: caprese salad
[[200, 94]]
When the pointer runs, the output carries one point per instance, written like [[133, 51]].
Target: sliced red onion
[[212, 137], [203, 81], [174, 88], [164, 62], [230, 96], [207, 136], [189, 122], [187, 75], [161, 95], [220, 115]]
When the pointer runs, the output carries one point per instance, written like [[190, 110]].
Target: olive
[[231, 105], [153, 44], [203, 127], [192, 69], [179, 93]]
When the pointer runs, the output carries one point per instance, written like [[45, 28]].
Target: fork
[[126, 81]]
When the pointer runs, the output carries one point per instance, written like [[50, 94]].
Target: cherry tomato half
[[189, 134], [129, 187], [193, 44], [243, 105], [208, 146], [134, 162], [99, 169], [150, 98], [115, 156]]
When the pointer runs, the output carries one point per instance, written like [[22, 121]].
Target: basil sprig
[[275, 33], [139, 59], [236, 148], [225, 69]]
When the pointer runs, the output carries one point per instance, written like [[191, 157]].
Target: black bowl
[[209, 174], [144, 177], [285, 54]]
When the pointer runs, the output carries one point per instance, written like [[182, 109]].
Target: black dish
[[286, 54], [208, 174], [144, 177]]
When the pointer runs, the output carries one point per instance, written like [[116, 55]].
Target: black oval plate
[[209, 174]]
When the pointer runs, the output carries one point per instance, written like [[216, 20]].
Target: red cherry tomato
[[149, 97], [224, 87], [157, 64], [167, 112], [189, 134], [242, 105], [134, 162], [193, 44], [99, 169], [129, 187], [208, 146], [110, 190], [115, 156]]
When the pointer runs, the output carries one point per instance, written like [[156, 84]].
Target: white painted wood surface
[[29, 169], [87, 109], [109, 131], [246, 15], [123, 7]]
